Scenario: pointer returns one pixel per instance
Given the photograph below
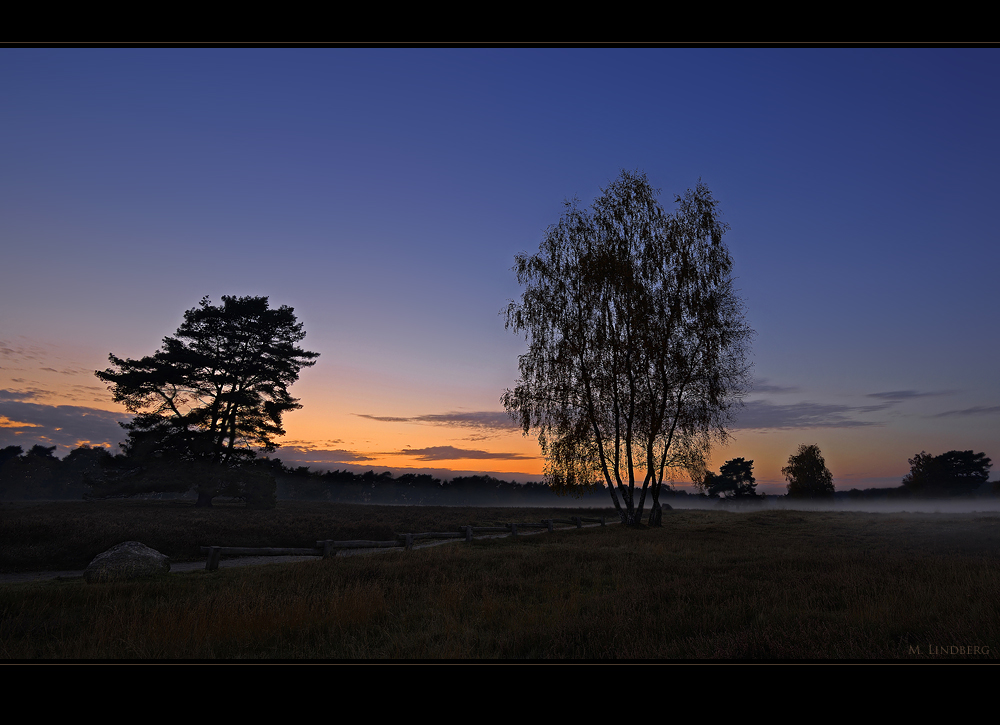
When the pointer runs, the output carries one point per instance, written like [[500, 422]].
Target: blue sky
[[383, 193]]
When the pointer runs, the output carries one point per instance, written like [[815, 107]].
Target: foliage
[[85, 460], [9, 453], [213, 394], [409, 488], [637, 342], [807, 474], [734, 481], [38, 474], [952, 473], [124, 476], [35, 471], [258, 489]]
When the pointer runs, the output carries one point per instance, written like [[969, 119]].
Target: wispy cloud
[[15, 395], [974, 410], [758, 414], [317, 445], [318, 456], [61, 425], [762, 415], [897, 396], [900, 395], [763, 386], [30, 353], [6, 422], [450, 453], [68, 371], [486, 419]]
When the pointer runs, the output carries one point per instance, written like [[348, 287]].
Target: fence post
[[549, 522], [579, 523], [327, 548], [409, 542], [602, 521], [213, 558], [513, 529], [468, 534]]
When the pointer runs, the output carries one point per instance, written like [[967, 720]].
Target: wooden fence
[[328, 547]]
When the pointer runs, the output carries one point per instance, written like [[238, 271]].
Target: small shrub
[[260, 490]]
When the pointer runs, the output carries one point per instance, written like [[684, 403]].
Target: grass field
[[709, 584]]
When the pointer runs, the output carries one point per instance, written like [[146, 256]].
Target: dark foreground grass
[[767, 585]]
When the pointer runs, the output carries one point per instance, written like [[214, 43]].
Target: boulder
[[129, 560]]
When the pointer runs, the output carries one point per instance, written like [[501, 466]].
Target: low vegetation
[[709, 584]]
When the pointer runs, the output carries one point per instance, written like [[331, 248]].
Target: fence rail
[[327, 547]]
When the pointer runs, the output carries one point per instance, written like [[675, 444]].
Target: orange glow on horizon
[[364, 418]]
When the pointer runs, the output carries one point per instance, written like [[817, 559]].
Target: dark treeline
[[955, 474], [94, 473], [408, 489], [38, 474], [84, 473]]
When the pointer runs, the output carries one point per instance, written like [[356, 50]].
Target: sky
[[383, 194]]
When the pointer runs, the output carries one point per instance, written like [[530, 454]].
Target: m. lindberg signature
[[954, 649]]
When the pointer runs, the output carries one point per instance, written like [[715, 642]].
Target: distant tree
[[807, 474], [637, 342], [10, 453], [734, 481], [953, 473], [84, 460], [215, 393], [33, 475], [42, 453], [41, 467]]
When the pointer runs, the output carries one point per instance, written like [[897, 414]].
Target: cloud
[[74, 393], [68, 371], [485, 419], [61, 425], [21, 351], [479, 419], [900, 395], [762, 386], [305, 456], [6, 422], [761, 415], [975, 410], [896, 396], [312, 445], [15, 395], [757, 414], [450, 453]]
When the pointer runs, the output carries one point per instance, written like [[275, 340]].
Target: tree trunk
[[656, 514]]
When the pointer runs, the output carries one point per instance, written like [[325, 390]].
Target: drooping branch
[[636, 344]]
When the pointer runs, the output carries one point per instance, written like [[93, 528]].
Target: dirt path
[[175, 567]]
